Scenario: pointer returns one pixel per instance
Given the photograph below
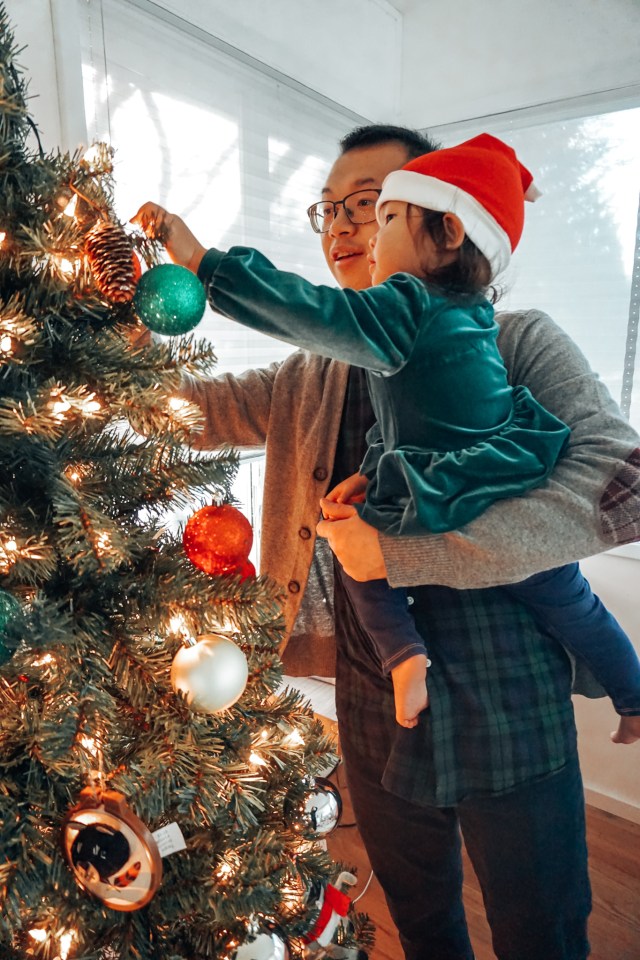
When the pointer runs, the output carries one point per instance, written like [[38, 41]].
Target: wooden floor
[[614, 857]]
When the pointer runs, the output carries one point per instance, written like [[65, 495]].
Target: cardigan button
[[293, 586], [304, 533], [320, 473]]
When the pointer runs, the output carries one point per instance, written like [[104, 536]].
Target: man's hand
[[172, 231], [354, 542], [628, 730]]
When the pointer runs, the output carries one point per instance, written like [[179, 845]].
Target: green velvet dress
[[452, 436]]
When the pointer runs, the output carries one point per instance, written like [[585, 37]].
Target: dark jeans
[[527, 847]]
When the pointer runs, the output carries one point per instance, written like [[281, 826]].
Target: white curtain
[[579, 255], [238, 152]]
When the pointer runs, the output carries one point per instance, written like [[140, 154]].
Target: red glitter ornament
[[218, 539], [246, 570]]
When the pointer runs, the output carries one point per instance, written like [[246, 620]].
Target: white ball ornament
[[212, 673], [266, 946]]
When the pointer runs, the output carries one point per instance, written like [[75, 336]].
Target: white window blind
[[237, 152], [579, 257]]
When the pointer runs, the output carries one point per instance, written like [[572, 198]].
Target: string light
[[61, 404], [65, 944], [3, 237], [178, 626], [67, 268], [293, 739], [6, 345], [70, 209], [9, 553], [39, 935], [44, 661], [103, 543], [257, 760]]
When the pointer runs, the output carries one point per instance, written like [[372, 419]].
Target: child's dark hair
[[470, 273], [376, 134]]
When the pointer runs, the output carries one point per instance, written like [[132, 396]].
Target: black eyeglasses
[[360, 207]]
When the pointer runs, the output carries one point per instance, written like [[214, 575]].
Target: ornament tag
[[169, 839]]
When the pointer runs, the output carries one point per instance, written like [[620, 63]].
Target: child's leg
[[563, 603], [384, 614]]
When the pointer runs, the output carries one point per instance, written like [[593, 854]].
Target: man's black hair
[[374, 134]]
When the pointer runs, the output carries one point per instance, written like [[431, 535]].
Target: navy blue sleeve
[[563, 604]]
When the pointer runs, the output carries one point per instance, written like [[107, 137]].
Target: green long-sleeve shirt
[[452, 435]]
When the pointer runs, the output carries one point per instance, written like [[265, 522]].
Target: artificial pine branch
[[95, 469]]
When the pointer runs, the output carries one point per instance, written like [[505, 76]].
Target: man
[[496, 752]]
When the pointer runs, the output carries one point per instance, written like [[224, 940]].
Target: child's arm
[[563, 603], [181, 245], [351, 490], [344, 325]]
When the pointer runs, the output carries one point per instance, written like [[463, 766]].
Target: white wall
[[48, 31], [611, 771], [348, 51], [470, 59]]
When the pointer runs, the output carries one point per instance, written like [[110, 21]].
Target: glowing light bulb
[[178, 625], [44, 660], [257, 760], [65, 944], [39, 935], [60, 408], [3, 237], [89, 745], [91, 155], [103, 543], [66, 267], [70, 209], [6, 344], [293, 739]]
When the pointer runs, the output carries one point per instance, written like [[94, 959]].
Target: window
[[238, 152], [579, 257]]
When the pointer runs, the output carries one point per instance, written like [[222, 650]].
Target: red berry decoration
[[218, 540]]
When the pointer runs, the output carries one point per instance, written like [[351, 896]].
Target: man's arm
[[236, 408], [590, 504]]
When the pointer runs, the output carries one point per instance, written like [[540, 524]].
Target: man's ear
[[453, 231]]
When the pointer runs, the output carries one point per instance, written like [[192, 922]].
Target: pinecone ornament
[[115, 267]]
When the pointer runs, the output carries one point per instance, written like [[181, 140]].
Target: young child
[[451, 435]]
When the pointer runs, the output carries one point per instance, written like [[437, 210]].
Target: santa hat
[[481, 181]]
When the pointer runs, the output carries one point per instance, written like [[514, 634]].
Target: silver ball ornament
[[266, 946], [320, 810], [212, 673]]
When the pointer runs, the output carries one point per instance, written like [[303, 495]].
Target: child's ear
[[453, 231]]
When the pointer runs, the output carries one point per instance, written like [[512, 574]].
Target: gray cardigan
[[293, 408]]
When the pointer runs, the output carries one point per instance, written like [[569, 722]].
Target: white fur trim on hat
[[433, 194]]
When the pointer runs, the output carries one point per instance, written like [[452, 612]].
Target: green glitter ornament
[[10, 621], [169, 299]]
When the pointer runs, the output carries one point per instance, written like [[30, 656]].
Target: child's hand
[[410, 690], [181, 245], [351, 490], [628, 730]]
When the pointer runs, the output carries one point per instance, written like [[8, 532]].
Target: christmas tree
[[160, 795]]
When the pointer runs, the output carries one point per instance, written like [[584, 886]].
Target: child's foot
[[628, 730], [410, 689]]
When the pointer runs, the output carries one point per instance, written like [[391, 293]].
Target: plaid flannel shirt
[[500, 709]]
